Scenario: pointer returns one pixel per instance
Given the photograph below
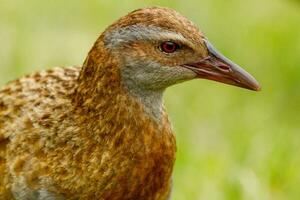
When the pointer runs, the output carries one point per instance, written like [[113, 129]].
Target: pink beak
[[219, 68]]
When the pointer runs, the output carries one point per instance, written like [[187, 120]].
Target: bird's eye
[[169, 47]]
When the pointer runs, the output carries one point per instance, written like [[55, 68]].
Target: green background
[[232, 143]]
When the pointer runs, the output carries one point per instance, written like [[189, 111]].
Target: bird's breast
[[144, 165], [130, 161]]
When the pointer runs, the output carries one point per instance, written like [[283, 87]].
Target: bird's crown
[[163, 18]]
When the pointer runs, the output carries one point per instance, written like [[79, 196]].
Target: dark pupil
[[168, 47]]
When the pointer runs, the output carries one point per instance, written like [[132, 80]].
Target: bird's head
[[158, 47]]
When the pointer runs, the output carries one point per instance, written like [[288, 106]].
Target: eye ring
[[169, 47]]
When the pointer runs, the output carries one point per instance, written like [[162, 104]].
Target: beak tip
[[258, 88], [255, 87]]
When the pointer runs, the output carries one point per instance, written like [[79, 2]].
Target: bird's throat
[[151, 100]]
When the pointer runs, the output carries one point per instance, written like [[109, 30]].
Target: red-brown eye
[[169, 47]]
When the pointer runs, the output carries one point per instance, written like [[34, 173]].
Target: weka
[[100, 131]]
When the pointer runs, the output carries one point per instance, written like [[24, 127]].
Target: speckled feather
[[76, 133]]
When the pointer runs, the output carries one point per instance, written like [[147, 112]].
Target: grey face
[[144, 71], [150, 75]]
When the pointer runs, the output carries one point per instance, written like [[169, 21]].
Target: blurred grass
[[232, 143]]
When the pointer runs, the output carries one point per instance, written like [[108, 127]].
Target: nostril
[[224, 67]]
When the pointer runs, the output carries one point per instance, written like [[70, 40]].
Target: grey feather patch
[[144, 78], [148, 80], [138, 32]]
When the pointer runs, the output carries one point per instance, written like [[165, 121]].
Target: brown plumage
[[101, 131]]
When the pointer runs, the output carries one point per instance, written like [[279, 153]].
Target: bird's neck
[[142, 85], [101, 85], [151, 100]]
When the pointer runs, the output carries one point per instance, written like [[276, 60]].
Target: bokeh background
[[232, 143]]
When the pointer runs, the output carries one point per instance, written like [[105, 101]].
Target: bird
[[101, 130]]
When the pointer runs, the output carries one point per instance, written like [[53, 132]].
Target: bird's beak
[[219, 68]]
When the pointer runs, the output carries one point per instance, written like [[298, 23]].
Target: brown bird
[[100, 131]]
